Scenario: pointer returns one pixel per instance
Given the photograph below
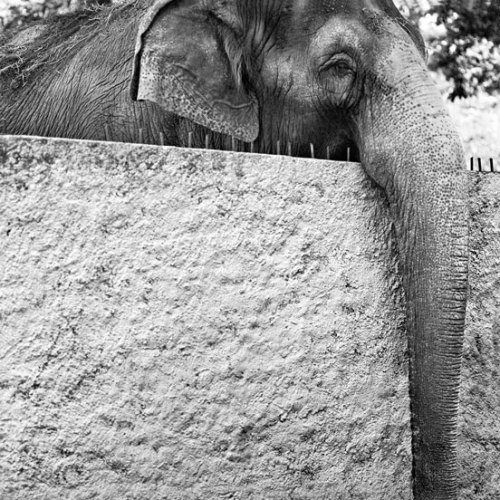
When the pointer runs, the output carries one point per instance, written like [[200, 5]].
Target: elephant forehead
[[304, 9], [351, 7], [285, 22], [287, 74], [339, 32]]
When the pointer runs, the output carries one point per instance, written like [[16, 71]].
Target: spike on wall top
[[478, 165]]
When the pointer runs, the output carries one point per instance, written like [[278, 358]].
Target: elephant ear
[[185, 63]]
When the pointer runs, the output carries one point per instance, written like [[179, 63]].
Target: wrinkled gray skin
[[335, 73]]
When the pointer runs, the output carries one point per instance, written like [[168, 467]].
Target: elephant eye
[[341, 69], [338, 76], [340, 66]]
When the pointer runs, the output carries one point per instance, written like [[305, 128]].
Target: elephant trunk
[[409, 147]]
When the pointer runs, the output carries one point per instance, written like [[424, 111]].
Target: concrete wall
[[479, 442], [183, 324]]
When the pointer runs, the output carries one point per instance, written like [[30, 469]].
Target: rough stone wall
[[179, 324], [479, 444]]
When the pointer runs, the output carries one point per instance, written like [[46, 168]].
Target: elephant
[[258, 75]]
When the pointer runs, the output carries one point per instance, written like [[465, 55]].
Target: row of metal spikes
[[478, 166], [280, 149]]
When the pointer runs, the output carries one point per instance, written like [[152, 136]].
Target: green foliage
[[469, 54]]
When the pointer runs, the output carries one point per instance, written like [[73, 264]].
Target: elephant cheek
[[409, 147]]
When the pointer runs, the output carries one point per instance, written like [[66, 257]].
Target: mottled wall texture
[[184, 324]]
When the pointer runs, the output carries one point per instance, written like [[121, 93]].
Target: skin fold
[[270, 76]]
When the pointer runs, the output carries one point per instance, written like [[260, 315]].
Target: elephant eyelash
[[340, 61], [340, 69]]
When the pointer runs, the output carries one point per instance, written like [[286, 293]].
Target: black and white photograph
[[249, 249]]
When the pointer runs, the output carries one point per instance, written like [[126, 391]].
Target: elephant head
[[340, 75]]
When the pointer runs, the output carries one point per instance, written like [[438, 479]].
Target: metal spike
[[479, 165], [289, 149], [278, 147], [492, 167], [162, 139], [348, 154], [328, 152], [472, 164], [190, 139], [252, 147], [312, 150], [107, 133], [207, 141], [234, 144], [141, 136]]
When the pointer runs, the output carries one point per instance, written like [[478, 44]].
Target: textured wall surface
[[179, 324], [479, 443]]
